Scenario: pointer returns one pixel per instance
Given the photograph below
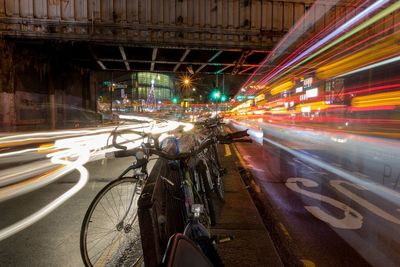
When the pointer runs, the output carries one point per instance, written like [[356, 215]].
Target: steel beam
[[247, 69], [121, 49], [153, 58], [98, 61], [176, 62], [241, 60], [211, 59], [181, 60]]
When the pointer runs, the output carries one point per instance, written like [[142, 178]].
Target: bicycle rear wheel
[[206, 195], [110, 234], [216, 174]]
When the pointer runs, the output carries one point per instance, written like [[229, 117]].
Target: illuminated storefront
[[133, 92]]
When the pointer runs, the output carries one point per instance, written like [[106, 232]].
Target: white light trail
[[382, 191], [343, 28], [378, 64], [38, 215]]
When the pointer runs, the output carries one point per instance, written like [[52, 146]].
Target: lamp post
[[215, 95], [111, 89]]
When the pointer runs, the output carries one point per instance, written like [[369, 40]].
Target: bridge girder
[[223, 27]]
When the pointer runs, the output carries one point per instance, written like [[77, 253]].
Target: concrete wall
[[34, 91]]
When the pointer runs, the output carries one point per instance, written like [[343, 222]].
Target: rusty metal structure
[[208, 36]]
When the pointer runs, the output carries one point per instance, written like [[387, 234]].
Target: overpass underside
[[53, 50], [237, 28], [224, 23]]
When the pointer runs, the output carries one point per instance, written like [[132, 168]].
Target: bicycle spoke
[[98, 241], [109, 217], [120, 199], [104, 245], [116, 206], [117, 237]]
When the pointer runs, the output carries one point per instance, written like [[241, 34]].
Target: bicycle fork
[[138, 191]]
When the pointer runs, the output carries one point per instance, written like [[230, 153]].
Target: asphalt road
[[326, 219], [54, 241]]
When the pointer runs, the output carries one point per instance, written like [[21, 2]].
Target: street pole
[[111, 96]]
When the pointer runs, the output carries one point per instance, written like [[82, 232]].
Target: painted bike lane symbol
[[351, 219]]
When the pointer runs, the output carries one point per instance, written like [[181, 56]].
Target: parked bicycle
[[215, 170], [110, 233]]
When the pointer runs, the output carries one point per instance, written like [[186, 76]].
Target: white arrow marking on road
[[337, 184], [352, 219]]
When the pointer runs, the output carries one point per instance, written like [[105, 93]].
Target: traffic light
[[215, 95], [175, 99], [224, 98]]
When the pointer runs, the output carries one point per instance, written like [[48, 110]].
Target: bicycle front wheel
[[110, 234]]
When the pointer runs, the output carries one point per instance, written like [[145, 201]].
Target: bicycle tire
[[216, 175], [100, 226], [206, 195]]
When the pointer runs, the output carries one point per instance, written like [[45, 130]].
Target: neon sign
[[312, 92], [308, 82]]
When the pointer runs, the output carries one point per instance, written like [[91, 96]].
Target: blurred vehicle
[[79, 117]]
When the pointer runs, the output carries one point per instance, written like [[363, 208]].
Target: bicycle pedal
[[223, 171], [222, 239], [167, 180]]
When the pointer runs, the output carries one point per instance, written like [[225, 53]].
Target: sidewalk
[[238, 217]]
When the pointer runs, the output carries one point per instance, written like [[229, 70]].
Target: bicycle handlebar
[[210, 123], [236, 141], [222, 139], [236, 135], [158, 152], [114, 142]]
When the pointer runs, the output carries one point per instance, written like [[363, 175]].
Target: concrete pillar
[[52, 104], [7, 91], [53, 111], [93, 91]]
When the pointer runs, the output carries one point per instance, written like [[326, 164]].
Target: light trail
[[38, 215], [341, 29], [70, 151], [371, 66], [380, 190], [297, 138], [294, 33], [340, 50]]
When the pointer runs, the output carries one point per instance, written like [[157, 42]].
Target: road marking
[[239, 156], [308, 263], [227, 151], [351, 219], [338, 185], [384, 192], [284, 230], [255, 186]]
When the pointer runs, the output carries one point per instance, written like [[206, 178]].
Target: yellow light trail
[[382, 50], [381, 99]]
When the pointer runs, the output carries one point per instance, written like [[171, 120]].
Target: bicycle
[[131, 187], [215, 169], [120, 220]]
